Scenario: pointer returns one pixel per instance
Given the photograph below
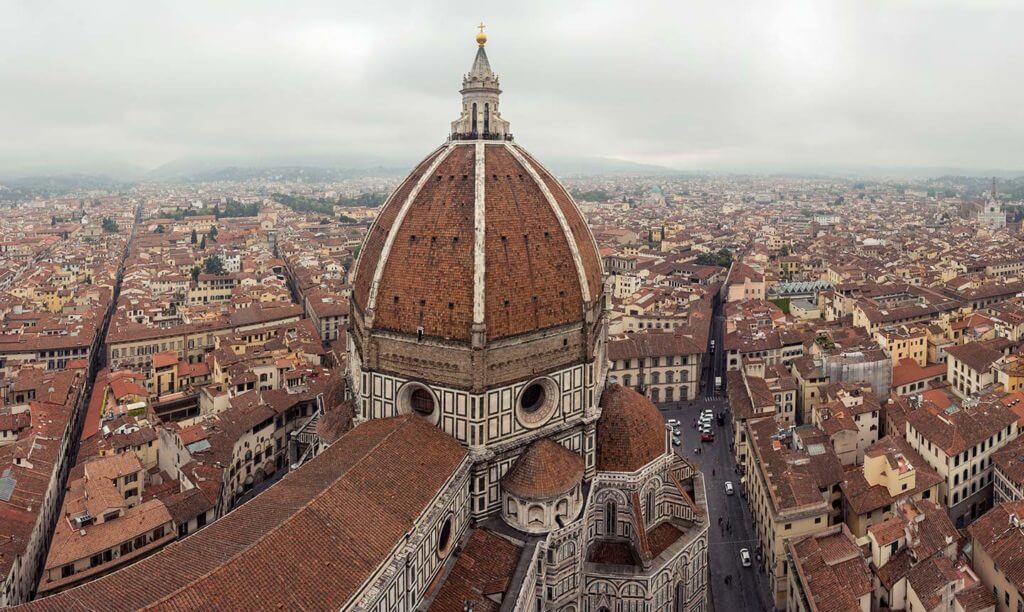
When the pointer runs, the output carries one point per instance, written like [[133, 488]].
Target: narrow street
[[748, 588]]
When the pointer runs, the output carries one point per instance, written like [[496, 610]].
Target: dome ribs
[[377, 236], [507, 249], [585, 243], [432, 257], [527, 286]]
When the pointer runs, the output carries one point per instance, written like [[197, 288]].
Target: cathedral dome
[[630, 432], [480, 242], [545, 470]]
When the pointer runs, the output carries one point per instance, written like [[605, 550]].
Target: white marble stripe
[[581, 273], [371, 302], [593, 240], [373, 226], [479, 233]]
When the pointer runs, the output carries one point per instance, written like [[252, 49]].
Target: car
[[676, 441], [677, 432], [707, 437], [705, 430], [673, 422], [745, 557], [728, 487]]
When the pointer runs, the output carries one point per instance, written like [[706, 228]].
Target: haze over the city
[[797, 86]]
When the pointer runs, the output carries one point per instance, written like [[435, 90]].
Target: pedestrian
[[712, 472]]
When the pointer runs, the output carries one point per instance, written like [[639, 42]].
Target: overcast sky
[[716, 85]]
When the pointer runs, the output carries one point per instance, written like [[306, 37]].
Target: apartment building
[[892, 474], [826, 570], [903, 342], [997, 539], [793, 484], [969, 367], [665, 367], [1008, 472], [958, 442]]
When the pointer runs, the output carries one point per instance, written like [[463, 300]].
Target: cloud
[[715, 85]]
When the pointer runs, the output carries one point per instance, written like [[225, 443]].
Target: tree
[[194, 237], [202, 243], [160, 228], [213, 233], [109, 225], [213, 265], [722, 257], [195, 273]]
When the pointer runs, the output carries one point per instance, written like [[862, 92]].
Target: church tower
[[993, 216]]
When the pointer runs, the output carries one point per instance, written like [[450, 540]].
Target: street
[[748, 588]]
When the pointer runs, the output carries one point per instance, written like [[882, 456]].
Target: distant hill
[[286, 168], [592, 166], [59, 184], [276, 173]]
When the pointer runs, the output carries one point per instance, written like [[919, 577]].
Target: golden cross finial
[[481, 38]]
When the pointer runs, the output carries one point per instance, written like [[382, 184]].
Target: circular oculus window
[[444, 538], [416, 399], [537, 402]]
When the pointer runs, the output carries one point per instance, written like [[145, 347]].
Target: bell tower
[[480, 118]]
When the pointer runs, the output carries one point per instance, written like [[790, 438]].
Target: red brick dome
[[630, 432], [479, 236], [546, 469]]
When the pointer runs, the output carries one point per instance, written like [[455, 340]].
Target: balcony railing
[[479, 136]]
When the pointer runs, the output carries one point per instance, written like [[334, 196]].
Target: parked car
[[676, 441], [673, 422], [707, 437], [728, 487], [745, 557], [677, 432]]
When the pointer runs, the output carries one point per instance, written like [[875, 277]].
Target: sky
[[723, 85]]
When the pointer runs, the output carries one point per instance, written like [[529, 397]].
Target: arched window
[[536, 515], [474, 118], [562, 509], [680, 604], [670, 377], [650, 506], [487, 118], [655, 395], [627, 380], [655, 378], [609, 518], [670, 394]]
